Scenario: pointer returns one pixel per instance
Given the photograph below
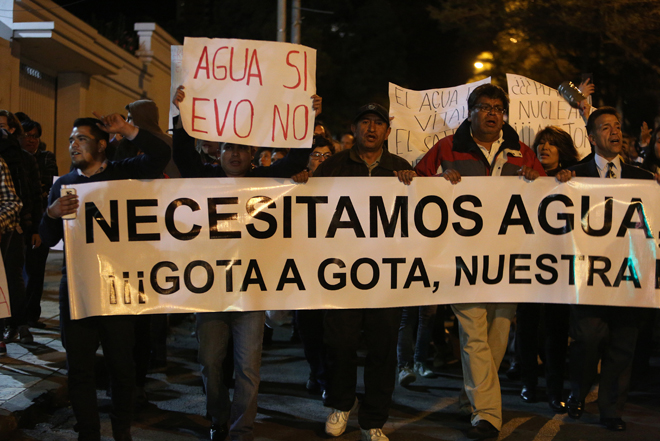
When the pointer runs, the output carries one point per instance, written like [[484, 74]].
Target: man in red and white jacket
[[483, 145]]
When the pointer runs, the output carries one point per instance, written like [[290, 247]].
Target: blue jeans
[[419, 317], [213, 332]]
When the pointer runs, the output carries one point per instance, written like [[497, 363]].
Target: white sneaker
[[422, 370], [336, 423], [373, 435], [406, 376]]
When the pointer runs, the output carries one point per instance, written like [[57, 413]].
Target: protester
[[37, 254], [596, 328], [310, 322], [347, 141], [10, 207], [144, 114], [278, 154], [483, 145], [652, 159], [263, 157], [87, 144], [555, 150], [412, 355], [25, 176], [371, 126], [235, 418]]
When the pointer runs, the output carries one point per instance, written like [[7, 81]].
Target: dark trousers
[[310, 329], [607, 333], [342, 335], [13, 254], [553, 320], [34, 272], [81, 339]]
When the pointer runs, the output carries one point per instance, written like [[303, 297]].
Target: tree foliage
[[554, 40]]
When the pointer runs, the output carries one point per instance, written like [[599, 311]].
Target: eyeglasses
[[31, 136], [317, 155], [487, 108]]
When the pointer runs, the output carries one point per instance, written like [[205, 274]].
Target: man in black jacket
[[214, 329], [368, 157], [594, 326], [81, 338]]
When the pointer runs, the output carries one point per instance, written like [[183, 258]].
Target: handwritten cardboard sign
[[249, 92], [423, 117], [534, 106]]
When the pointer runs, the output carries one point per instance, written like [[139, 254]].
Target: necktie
[[610, 171]]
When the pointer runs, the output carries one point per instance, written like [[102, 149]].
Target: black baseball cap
[[374, 108]]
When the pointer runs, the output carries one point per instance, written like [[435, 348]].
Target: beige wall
[[93, 74]]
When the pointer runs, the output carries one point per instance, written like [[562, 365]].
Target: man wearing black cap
[[371, 128]]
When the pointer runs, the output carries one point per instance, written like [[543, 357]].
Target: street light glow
[[479, 65]]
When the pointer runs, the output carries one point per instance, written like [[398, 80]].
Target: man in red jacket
[[483, 145]]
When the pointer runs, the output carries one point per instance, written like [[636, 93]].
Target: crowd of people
[[401, 343]]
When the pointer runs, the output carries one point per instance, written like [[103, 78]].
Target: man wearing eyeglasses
[[483, 145]]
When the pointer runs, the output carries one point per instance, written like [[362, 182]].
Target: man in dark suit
[[612, 328]]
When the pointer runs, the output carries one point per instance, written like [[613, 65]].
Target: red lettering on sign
[[251, 118], [219, 67], [194, 115], [203, 63], [285, 127], [306, 121]]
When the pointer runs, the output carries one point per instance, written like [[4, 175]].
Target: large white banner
[[178, 245], [249, 92], [535, 106], [423, 117]]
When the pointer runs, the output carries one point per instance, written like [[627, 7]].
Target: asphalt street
[[426, 410]]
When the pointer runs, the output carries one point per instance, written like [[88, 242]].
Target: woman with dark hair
[[652, 160], [556, 152]]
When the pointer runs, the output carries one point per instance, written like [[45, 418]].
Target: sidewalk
[[32, 373]]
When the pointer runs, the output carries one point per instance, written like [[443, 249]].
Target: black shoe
[[218, 432], [38, 325], [483, 430], [557, 405], [313, 387], [122, 435], [10, 334], [513, 373], [575, 407], [24, 335], [528, 394], [615, 424]]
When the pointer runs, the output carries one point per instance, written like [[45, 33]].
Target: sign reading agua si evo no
[[248, 92]]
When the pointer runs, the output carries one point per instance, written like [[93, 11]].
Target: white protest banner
[[5, 307], [249, 92], [423, 117], [176, 245], [534, 106], [176, 77]]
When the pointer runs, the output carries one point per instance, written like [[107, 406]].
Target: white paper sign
[[185, 245], [423, 117], [534, 106], [249, 92]]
